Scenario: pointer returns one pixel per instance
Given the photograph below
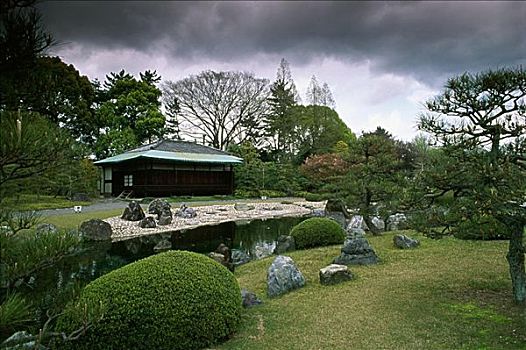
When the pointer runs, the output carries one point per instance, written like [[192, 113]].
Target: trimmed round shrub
[[172, 300], [317, 232]]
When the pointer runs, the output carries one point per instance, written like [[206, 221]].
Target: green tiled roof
[[218, 158]]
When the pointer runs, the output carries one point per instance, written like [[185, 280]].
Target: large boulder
[[186, 212], [283, 276], [165, 218], [356, 251], [378, 223], [404, 242], [357, 222], [334, 274], [133, 212], [249, 298], [285, 244], [159, 206], [396, 222], [96, 230], [148, 222]]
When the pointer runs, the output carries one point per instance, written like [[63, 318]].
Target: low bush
[[173, 300], [317, 232], [314, 197]]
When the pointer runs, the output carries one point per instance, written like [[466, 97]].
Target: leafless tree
[[223, 108]]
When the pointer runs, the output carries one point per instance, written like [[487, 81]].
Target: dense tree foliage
[[316, 130], [128, 112], [221, 108], [279, 122], [375, 180], [480, 119]]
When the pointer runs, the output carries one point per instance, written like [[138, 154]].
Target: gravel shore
[[213, 215]]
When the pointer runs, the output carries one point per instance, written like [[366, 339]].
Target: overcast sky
[[380, 59]]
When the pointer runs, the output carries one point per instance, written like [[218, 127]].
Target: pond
[[255, 238]]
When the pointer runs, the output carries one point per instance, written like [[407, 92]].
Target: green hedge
[[173, 300], [317, 232]]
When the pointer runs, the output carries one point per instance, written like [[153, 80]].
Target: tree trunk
[[515, 259]]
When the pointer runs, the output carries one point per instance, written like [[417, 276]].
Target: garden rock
[[334, 274], [264, 249], [318, 213], [239, 257], [249, 298], [355, 232], [21, 340], [158, 207], [356, 251], [133, 212], [396, 222], [165, 218], [185, 212], [283, 276], [96, 230], [148, 222], [44, 229], [285, 244], [162, 246], [404, 242], [357, 221], [243, 207], [220, 258], [378, 223]]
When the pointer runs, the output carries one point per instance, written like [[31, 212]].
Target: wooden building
[[168, 168]]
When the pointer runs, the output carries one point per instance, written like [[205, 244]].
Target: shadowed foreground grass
[[446, 294]]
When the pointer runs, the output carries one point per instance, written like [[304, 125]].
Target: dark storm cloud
[[427, 40]]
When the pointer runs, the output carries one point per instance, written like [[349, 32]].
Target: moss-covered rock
[[317, 232], [173, 300]]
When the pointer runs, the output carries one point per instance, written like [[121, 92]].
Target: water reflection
[[256, 239]]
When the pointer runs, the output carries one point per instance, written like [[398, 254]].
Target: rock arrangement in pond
[[334, 274], [95, 230], [405, 242], [285, 244], [159, 206], [283, 276], [133, 212], [148, 222], [212, 215], [186, 212], [356, 250], [239, 257], [223, 256]]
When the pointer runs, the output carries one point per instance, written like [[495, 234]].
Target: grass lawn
[[73, 220], [33, 202], [446, 294]]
